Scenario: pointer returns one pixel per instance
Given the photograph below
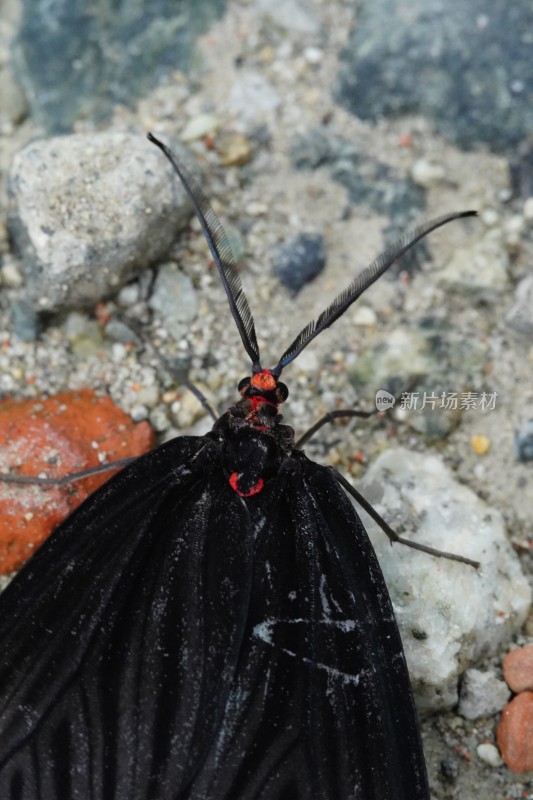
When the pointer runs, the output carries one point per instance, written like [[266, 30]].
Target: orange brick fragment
[[54, 437], [515, 733], [518, 669]]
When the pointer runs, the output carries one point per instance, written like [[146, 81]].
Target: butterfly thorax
[[255, 439]]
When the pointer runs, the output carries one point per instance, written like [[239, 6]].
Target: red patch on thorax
[[234, 483]]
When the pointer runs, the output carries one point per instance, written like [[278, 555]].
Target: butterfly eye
[[282, 392], [243, 384]]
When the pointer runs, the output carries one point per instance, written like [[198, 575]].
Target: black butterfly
[[212, 624]]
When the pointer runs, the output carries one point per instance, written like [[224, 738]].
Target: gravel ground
[[259, 85]]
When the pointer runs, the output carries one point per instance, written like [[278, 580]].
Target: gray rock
[[90, 211], [300, 260], [467, 66], [482, 694], [174, 299], [449, 613], [119, 331], [25, 321]]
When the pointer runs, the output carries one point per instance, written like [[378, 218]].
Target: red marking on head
[[234, 483], [257, 401], [264, 381]]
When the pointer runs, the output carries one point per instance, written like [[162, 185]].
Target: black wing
[[321, 705], [174, 641], [119, 639]]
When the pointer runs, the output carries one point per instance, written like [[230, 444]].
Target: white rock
[[313, 55], [490, 217], [427, 173], [199, 126], [364, 315], [488, 753], [482, 694], [10, 273], [528, 209], [449, 613]]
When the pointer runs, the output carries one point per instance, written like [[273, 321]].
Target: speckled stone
[[88, 212]]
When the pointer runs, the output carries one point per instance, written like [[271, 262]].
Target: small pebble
[[313, 55], [10, 274], [528, 209], [364, 315], [426, 173], [480, 444], [234, 149], [449, 770], [482, 694], [300, 260], [128, 295], [118, 352], [518, 669], [119, 332], [514, 734], [256, 208], [490, 217], [138, 413], [159, 420], [199, 126], [488, 753], [148, 396]]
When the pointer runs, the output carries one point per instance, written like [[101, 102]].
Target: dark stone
[[449, 770], [77, 59], [467, 66], [300, 260], [523, 441]]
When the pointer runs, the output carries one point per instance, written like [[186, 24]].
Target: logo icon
[[384, 400]]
